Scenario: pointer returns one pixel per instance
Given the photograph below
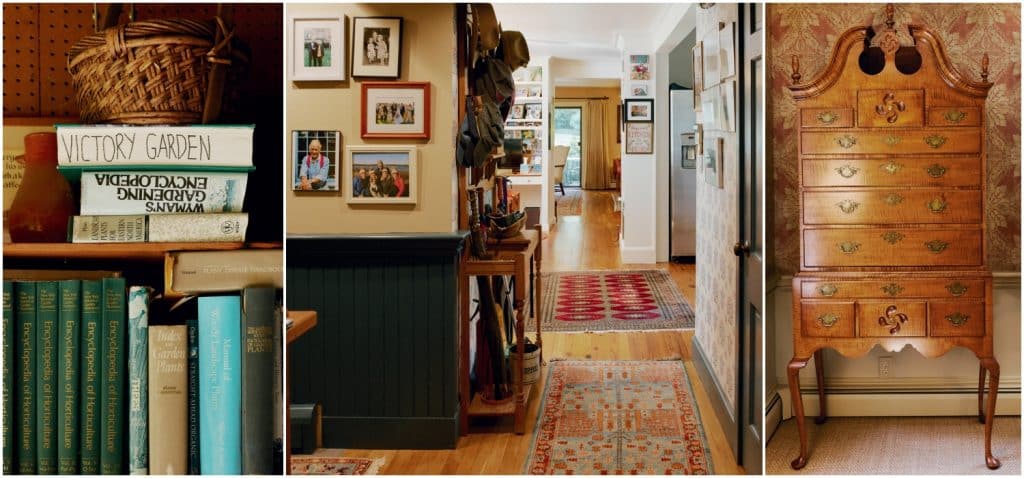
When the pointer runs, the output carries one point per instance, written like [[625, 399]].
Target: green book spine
[[112, 372], [69, 317], [46, 378], [8, 365], [193, 396], [92, 309], [138, 380], [25, 315]]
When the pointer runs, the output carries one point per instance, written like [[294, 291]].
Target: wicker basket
[[151, 72], [499, 232]]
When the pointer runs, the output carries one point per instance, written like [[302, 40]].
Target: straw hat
[[513, 50]]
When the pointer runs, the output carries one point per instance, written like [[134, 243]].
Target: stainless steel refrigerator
[[683, 177]]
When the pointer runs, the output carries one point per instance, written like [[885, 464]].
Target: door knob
[[741, 248]]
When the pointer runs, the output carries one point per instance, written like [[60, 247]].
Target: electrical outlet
[[884, 366]]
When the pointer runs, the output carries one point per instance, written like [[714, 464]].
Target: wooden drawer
[[827, 319], [878, 247], [895, 287], [954, 116], [948, 172], [891, 318], [914, 141], [892, 206], [890, 108], [826, 117], [956, 318]]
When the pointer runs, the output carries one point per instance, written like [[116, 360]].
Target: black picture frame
[[358, 54], [644, 105]]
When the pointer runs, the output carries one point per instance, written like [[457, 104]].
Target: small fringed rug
[[619, 417], [629, 300], [571, 204], [334, 465]]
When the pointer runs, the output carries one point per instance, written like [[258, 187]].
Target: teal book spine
[[193, 396], [138, 380], [46, 378], [89, 413], [69, 318], [112, 373], [257, 329], [8, 425], [220, 385], [25, 316]]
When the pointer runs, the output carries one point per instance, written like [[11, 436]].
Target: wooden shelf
[[114, 251], [478, 408]]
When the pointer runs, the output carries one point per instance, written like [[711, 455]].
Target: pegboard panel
[[21, 60], [60, 26]]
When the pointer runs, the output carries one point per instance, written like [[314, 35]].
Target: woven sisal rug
[[896, 446], [571, 204], [618, 417], [612, 300], [334, 465]]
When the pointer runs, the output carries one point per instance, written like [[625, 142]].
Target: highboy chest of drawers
[[892, 221]]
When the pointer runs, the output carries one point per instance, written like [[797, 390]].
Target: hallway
[[586, 242]]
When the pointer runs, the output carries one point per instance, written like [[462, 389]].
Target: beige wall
[[428, 54], [610, 111]]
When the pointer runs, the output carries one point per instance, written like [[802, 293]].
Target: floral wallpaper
[[967, 30]]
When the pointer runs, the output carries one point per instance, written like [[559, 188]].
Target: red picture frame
[[395, 110]]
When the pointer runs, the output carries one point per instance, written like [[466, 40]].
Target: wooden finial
[[984, 67], [890, 11], [796, 70]]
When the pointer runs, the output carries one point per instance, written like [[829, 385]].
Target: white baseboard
[[848, 403], [637, 255]]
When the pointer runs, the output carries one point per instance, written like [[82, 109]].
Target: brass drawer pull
[[847, 171], [828, 320], [955, 116], [849, 247], [847, 141], [936, 171], [892, 140], [935, 141], [892, 167], [893, 199], [848, 206], [957, 319], [937, 205], [957, 289], [828, 290], [827, 117], [892, 289], [936, 246], [892, 237], [892, 319]]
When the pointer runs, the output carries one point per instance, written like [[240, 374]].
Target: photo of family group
[[383, 174], [396, 113], [315, 153]]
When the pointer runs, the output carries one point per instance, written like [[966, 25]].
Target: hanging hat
[[468, 136], [513, 50], [491, 128], [494, 80], [485, 24]]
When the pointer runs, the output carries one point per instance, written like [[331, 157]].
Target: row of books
[[157, 183], [97, 381]]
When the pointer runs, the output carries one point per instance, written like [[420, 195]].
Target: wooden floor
[[587, 242]]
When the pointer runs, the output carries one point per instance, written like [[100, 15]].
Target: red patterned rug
[[631, 418], [612, 300], [334, 465]]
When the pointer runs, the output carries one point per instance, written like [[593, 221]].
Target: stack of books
[[157, 183], [99, 380]]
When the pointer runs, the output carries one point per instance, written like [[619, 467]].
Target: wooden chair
[[559, 154]]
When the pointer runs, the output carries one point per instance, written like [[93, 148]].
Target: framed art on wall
[[710, 62], [639, 89], [698, 74], [395, 110], [713, 163], [639, 138], [376, 47], [639, 67], [727, 50], [639, 111], [727, 105], [318, 49], [315, 156], [381, 174]]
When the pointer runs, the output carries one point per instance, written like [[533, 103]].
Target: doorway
[[569, 132]]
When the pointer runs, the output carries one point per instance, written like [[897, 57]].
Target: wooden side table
[[519, 257], [302, 321]]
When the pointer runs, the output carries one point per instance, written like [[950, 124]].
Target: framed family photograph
[[380, 174], [376, 47], [639, 111], [315, 157], [396, 110], [318, 49], [639, 138]]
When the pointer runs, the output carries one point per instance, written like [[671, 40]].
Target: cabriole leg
[[992, 366], [819, 368], [793, 372]]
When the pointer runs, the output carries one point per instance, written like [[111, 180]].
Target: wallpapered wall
[[810, 31], [717, 226]]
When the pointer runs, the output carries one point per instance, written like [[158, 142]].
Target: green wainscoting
[[383, 358]]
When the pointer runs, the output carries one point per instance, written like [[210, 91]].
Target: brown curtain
[[595, 160]]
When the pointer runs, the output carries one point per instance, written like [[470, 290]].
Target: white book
[[161, 192], [86, 146], [228, 227]]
